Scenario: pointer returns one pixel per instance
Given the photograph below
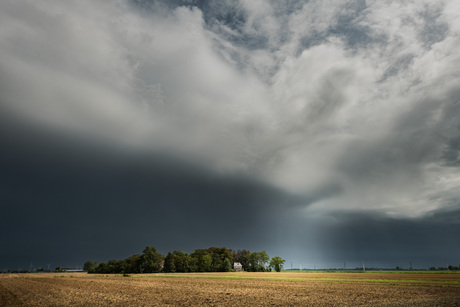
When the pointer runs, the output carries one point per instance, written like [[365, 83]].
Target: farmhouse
[[237, 266]]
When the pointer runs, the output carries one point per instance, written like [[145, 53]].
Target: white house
[[237, 266]]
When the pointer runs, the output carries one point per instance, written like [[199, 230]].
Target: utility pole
[[364, 268]]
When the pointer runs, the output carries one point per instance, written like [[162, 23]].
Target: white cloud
[[307, 111]]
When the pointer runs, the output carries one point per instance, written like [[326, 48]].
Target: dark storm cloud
[[69, 199], [452, 154], [426, 241], [354, 237], [132, 123]]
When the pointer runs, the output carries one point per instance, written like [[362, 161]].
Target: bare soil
[[236, 289]]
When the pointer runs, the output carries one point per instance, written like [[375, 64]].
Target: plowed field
[[236, 289]]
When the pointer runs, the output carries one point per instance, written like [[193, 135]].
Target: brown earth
[[236, 289]]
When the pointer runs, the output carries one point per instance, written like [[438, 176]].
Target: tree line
[[213, 259]]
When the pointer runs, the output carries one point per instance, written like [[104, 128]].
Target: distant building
[[72, 270], [237, 266]]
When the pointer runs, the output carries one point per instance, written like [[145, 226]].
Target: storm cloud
[[246, 124]]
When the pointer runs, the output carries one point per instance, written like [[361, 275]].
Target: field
[[237, 289]]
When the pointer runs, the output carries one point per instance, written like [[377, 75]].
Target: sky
[[324, 132]]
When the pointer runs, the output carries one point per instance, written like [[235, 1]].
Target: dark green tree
[[133, 264], [264, 259], [258, 261], [218, 255], [277, 263], [242, 256], [213, 259], [115, 267], [101, 268], [181, 261], [253, 263], [192, 263], [169, 266], [203, 260], [89, 266], [151, 260], [226, 265], [216, 264]]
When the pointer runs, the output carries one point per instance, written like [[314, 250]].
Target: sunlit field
[[238, 289]]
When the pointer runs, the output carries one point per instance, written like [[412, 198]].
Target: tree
[[226, 265], [253, 263], [258, 261], [181, 262], [218, 255], [151, 260], [213, 259], [89, 266], [277, 263], [204, 263], [216, 264], [193, 263], [116, 266], [133, 264], [169, 266], [101, 268], [242, 256], [203, 260], [264, 259]]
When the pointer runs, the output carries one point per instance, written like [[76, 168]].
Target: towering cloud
[[330, 107]]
